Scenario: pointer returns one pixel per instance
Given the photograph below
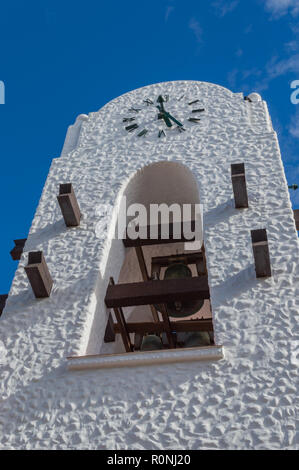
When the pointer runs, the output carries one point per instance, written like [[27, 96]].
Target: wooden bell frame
[[152, 292]]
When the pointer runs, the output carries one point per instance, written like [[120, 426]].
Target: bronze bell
[[197, 339], [186, 308], [151, 343]]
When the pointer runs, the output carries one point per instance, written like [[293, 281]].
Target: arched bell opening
[[161, 183]]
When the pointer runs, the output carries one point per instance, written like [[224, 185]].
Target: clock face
[[162, 117]]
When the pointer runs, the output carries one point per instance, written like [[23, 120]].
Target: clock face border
[[151, 118]]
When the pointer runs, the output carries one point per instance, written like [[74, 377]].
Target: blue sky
[[63, 58]]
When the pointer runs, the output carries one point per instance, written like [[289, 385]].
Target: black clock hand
[[166, 116], [173, 119], [163, 115], [166, 119], [161, 101]]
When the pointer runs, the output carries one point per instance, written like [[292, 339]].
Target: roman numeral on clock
[[132, 127], [134, 110], [148, 101], [161, 132], [193, 102], [201, 110], [142, 133], [195, 120], [128, 119]]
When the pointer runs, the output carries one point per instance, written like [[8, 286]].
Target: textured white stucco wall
[[246, 400]]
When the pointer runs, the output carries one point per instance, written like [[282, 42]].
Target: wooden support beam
[[171, 336], [141, 262], [261, 253], [183, 326], [38, 274], [239, 185], [157, 292], [188, 258], [120, 318], [109, 336], [296, 217], [145, 277], [123, 329], [69, 205], [3, 299], [17, 250], [158, 240]]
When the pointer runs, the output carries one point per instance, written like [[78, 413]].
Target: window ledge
[[210, 353]]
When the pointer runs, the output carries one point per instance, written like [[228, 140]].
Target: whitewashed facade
[[247, 400]]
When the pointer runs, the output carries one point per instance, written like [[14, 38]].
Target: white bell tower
[[66, 381]]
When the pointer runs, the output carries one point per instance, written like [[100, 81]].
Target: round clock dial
[[164, 116]]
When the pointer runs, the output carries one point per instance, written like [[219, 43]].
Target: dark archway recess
[[158, 183]]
